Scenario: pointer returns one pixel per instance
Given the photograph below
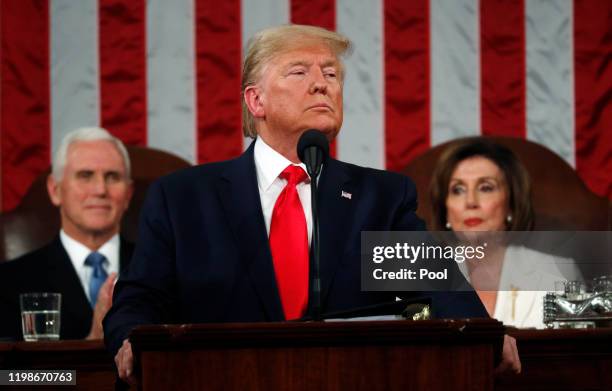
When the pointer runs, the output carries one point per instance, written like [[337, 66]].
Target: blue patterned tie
[[99, 275]]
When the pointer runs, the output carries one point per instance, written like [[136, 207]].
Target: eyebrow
[[295, 63], [326, 64], [478, 179], [89, 170]]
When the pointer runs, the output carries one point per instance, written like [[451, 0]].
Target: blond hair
[[268, 43]]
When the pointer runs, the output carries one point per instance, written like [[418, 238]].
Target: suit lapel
[[336, 198], [239, 195]]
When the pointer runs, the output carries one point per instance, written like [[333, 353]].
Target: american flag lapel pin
[[346, 195]]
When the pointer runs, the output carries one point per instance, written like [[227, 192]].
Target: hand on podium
[[124, 360], [511, 363]]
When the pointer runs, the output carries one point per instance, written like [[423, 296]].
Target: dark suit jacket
[[49, 269], [203, 252]]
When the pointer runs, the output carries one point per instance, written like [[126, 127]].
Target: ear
[[253, 98], [53, 188]]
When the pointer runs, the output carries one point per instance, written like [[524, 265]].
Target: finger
[[517, 360], [120, 361], [128, 359], [119, 364], [109, 287], [106, 291], [507, 357], [131, 378], [513, 354], [117, 361], [110, 280]]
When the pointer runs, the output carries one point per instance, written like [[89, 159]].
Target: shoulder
[[30, 268], [40, 255], [374, 176], [202, 172], [380, 186], [205, 175]]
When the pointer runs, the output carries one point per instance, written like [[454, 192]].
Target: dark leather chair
[[561, 201], [36, 221]]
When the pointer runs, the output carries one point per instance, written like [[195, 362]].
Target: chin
[[328, 131], [99, 225], [329, 126]]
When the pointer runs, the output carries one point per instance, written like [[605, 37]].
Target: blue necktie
[[99, 275]]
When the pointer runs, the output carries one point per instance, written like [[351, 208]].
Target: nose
[[471, 200], [318, 84], [98, 185]]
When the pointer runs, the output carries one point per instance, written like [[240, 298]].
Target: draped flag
[[166, 74]]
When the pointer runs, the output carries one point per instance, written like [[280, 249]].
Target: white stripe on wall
[[171, 77], [455, 69], [258, 15], [550, 81], [75, 87], [361, 140]]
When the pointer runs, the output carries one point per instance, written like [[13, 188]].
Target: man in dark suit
[[228, 242], [90, 183]]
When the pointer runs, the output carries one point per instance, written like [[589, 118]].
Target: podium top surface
[[342, 333]]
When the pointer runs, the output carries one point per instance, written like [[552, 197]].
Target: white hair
[[86, 134]]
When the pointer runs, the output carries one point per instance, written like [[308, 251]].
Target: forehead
[[318, 53], [476, 167], [94, 155]]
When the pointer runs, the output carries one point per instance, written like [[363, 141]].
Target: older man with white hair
[[90, 184]]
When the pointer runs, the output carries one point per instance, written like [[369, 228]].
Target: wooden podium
[[92, 363], [386, 355]]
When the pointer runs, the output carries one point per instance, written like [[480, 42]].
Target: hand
[[124, 360], [511, 363], [103, 304]]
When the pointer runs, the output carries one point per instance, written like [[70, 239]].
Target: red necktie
[[289, 245]]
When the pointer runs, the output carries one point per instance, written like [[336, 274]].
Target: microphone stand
[[314, 253], [313, 149]]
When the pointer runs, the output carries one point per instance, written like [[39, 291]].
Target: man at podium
[[229, 241]]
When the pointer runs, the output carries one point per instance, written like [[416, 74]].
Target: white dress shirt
[[269, 164], [77, 252]]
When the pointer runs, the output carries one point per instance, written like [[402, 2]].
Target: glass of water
[[40, 316]]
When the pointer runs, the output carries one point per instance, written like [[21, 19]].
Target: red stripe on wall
[[320, 13], [123, 72], [24, 96], [593, 93], [503, 68], [218, 64], [407, 76]]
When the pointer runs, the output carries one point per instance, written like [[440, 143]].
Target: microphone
[[313, 151]]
